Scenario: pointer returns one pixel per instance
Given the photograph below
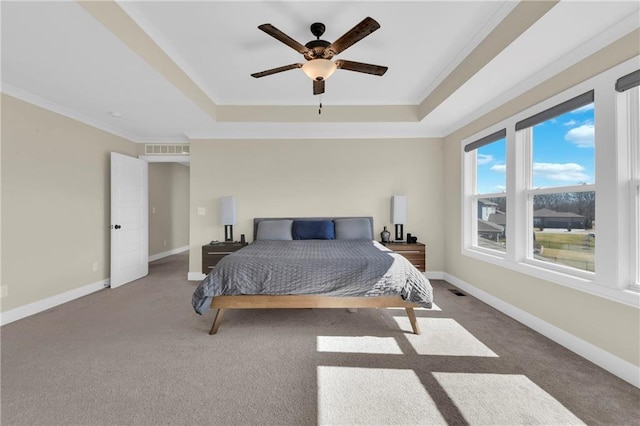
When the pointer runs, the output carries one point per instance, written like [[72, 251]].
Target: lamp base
[[399, 232], [228, 232]]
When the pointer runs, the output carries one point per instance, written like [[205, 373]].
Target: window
[[629, 119], [488, 155], [568, 172], [560, 184]]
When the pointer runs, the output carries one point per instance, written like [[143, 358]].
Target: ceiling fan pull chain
[[320, 106]]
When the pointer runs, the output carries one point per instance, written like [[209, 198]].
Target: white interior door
[[129, 219]]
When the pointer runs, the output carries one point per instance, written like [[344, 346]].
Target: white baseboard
[[53, 301], [50, 302], [615, 365], [434, 275], [168, 253], [195, 276]]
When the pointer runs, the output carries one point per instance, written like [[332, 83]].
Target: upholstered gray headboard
[[344, 225]]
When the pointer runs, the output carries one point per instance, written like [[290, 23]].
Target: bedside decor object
[[399, 214], [385, 235], [228, 216]]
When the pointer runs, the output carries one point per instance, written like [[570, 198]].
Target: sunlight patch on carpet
[[443, 336], [358, 344], [373, 397], [503, 399]]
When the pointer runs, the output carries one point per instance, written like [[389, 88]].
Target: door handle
[[117, 227]]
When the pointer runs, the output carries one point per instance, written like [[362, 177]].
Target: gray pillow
[[274, 230], [353, 229]]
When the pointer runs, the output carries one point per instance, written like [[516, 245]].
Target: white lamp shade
[[399, 209], [228, 211], [319, 69]]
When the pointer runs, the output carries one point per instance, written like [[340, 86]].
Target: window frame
[[613, 277], [524, 137], [629, 130], [469, 151]]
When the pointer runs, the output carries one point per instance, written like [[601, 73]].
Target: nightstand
[[415, 252], [212, 253]]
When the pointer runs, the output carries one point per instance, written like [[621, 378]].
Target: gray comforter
[[314, 267]]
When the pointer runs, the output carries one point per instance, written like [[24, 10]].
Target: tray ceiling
[[173, 70]]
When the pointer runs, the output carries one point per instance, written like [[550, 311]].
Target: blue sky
[[563, 154]]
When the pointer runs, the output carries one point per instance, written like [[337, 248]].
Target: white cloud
[[500, 188], [581, 136], [583, 109], [571, 123], [561, 172], [566, 172], [484, 159]]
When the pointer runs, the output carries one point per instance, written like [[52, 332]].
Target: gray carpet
[[139, 355]]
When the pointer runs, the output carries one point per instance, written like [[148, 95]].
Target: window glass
[[492, 223], [491, 176], [564, 149], [564, 229]]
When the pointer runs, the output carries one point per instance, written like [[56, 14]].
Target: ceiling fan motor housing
[[318, 49]]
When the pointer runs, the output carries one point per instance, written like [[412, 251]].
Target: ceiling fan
[[318, 53]]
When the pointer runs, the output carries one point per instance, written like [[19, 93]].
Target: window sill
[[581, 283]]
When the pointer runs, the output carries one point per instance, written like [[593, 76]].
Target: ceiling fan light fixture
[[319, 69]]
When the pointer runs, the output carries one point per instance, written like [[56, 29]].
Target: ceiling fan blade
[[279, 35], [276, 70], [318, 87], [361, 67], [355, 34]]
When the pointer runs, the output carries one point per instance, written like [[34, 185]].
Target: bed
[[313, 263]]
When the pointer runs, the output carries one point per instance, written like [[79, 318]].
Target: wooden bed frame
[[222, 303]]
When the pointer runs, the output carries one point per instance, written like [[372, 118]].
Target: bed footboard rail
[[221, 303]]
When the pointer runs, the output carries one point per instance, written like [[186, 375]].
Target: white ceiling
[[57, 55]]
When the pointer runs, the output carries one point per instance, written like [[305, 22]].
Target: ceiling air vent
[[166, 149]]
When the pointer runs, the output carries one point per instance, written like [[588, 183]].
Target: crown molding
[[28, 97], [486, 29], [318, 131], [182, 138], [600, 41], [130, 9]]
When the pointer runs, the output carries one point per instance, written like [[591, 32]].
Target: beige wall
[[168, 207], [55, 202], [346, 177], [611, 326]]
